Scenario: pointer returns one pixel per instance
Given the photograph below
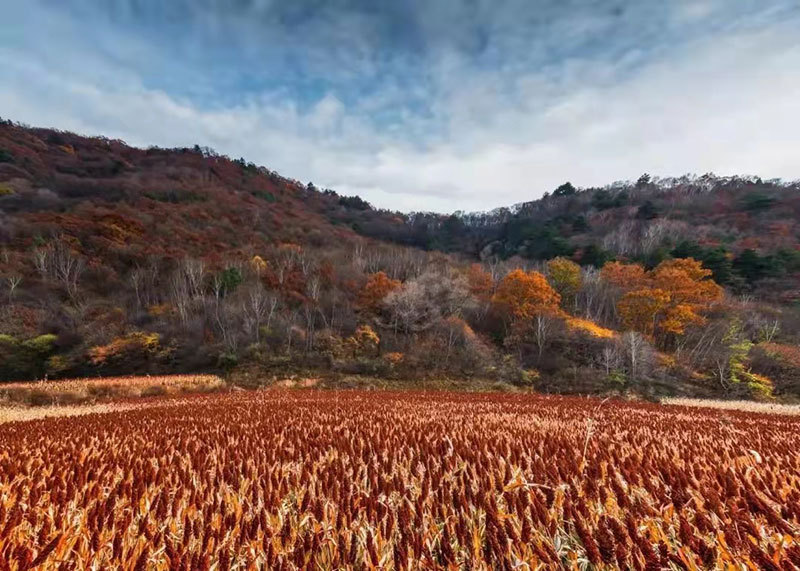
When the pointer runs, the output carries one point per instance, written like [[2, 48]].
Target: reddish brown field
[[368, 480]]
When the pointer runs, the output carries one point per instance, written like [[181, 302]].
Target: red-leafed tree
[[378, 286]]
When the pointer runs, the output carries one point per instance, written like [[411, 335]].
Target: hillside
[[124, 204], [745, 229], [118, 260]]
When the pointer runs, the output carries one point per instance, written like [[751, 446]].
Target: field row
[[80, 391], [368, 480]]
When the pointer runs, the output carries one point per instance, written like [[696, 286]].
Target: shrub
[[227, 360], [265, 195], [230, 279], [131, 351], [41, 344], [393, 358], [175, 196], [57, 365], [604, 199], [100, 391], [760, 387], [647, 211], [355, 203], [25, 359], [617, 378], [40, 398], [589, 328], [779, 362], [154, 391], [364, 341]]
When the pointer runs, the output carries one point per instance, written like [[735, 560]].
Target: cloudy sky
[[424, 104]]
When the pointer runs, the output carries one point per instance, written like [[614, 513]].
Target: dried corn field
[[368, 480]]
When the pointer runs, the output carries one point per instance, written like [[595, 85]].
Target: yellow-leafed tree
[[565, 275]]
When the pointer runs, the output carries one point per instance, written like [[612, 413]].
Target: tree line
[[388, 311]]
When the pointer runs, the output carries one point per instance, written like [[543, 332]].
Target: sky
[[422, 105]]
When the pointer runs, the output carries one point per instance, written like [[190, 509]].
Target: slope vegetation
[[116, 260]]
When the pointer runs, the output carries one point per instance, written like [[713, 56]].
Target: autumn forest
[[118, 260]]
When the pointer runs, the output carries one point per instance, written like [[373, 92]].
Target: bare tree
[[286, 258], [146, 284], [311, 309], [13, 282], [329, 306], [179, 291], [408, 308], [305, 262], [57, 262], [40, 262], [136, 278], [258, 308], [610, 358], [194, 272], [357, 258], [68, 268], [227, 316], [186, 285], [766, 328], [291, 330], [659, 231], [272, 305], [596, 299], [422, 301], [542, 327], [638, 354], [622, 241]]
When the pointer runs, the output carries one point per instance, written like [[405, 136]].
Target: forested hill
[[745, 229], [124, 204], [128, 203], [116, 260]]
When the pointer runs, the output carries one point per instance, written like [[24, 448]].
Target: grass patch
[[81, 391], [740, 405]]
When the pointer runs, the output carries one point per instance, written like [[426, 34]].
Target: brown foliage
[[480, 282], [360, 480], [378, 286]]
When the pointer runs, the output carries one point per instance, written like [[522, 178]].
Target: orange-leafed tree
[[640, 309], [687, 281], [624, 276], [480, 282], [378, 286], [666, 300], [691, 291], [532, 304], [679, 316], [523, 295]]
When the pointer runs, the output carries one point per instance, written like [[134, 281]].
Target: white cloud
[[728, 103]]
